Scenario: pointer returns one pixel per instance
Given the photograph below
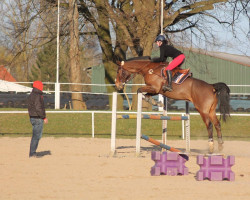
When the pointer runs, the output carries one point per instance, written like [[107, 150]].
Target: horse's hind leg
[[217, 126], [209, 125]]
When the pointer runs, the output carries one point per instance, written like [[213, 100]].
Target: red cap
[[38, 85]]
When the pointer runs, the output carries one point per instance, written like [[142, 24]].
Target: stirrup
[[164, 73]]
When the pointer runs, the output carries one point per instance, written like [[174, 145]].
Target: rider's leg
[[168, 87], [175, 63]]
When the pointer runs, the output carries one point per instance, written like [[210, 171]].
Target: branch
[[192, 25], [85, 12], [190, 10], [115, 16]]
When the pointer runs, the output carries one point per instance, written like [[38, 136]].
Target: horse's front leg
[[148, 93]]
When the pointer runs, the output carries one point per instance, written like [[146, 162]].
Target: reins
[[132, 76]]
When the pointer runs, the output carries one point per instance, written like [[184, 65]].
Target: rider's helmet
[[160, 38]]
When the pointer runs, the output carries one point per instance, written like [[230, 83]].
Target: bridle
[[124, 78], [123, 75]]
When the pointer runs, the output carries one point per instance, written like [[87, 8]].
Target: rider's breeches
[[176, 62]]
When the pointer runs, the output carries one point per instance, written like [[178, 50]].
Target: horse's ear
[[120, 63]]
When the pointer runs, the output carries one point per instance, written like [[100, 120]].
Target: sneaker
[[34, 155]]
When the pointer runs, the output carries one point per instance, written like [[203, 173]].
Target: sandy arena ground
[[82, 168]]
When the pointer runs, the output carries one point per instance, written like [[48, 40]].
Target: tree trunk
[[104, 36], [74, 54]]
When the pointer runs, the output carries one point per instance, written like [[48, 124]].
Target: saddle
[[178, 75]]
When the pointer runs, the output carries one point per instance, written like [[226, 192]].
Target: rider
[[165, 52]]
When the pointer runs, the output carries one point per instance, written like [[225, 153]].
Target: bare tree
[[137, 23], [123, 26], [15, 20]]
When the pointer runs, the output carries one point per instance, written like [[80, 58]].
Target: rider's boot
[[168, 87]]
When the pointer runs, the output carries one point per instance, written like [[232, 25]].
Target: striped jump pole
[[156, 117], [149, 139], [164, 146]]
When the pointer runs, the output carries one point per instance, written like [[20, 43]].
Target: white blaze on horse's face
[[122, 77], [119, 84]]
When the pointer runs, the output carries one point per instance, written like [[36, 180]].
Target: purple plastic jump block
[[215, 168], [168, 163]]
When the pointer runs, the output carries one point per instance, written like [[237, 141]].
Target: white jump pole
[[113, 124], [164, 122], [93, 124], [183, 127], [138, 124], [187, 127]]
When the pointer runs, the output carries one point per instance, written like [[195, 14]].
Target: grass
[[79, 125]]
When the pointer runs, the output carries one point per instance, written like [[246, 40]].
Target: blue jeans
[[37, 127]]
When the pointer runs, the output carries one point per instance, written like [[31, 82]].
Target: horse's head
[[122, 76]]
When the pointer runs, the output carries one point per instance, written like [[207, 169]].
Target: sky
[[225, 40], [229, 41], [238, 43]]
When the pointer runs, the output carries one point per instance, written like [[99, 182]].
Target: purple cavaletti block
[[215, 168], [168, 163]]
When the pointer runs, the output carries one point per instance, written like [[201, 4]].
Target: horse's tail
[[223, 94]]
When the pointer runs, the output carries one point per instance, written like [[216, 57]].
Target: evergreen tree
[[46, 67]]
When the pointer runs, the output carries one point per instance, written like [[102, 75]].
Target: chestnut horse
[[204, 96]]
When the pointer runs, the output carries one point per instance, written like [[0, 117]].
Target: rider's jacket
[[167, 51]]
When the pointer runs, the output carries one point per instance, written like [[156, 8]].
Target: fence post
[[113, 123], [138, 125], [57, 95], [93, 124], [187, 122], [183, 127], [164, 122]]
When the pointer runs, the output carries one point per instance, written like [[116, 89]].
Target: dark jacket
[[167, 51], [36, 104]]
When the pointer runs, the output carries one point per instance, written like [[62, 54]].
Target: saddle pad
[[178, 78]]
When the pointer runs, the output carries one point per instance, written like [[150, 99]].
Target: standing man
[[37, 115], [165, 52]]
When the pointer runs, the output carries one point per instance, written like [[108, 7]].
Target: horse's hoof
[[159, 104], [146, 99], [220, 141], [220, 147], [211, 147], [153, 102]]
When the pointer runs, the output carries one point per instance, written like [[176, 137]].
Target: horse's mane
[[143, 58]]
